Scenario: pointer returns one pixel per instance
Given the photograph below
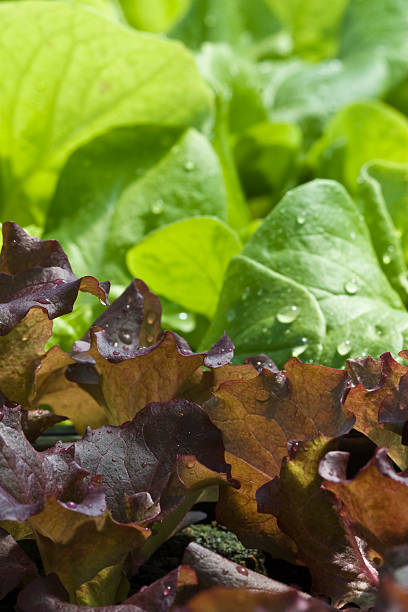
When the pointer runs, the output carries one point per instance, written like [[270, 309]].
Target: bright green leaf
[[316, 239], [186, 261], [357, 134], [127, 183], [69, 74], [153, 15]]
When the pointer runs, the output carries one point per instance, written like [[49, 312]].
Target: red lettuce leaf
[[34, 272], [141, 456], [132, 321], [373, 502], [15, 565], [393, 595], [55, 389], [258, 416], [379, 402], [35, 422], [48, 594], [28, 477], [338, 563], [21, 352]]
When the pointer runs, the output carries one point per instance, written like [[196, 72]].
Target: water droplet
[[242, 570], [378, 330], [71, 504], [230, 315], [352, 235], [113, 460], [150, 319], [298, 350], [259, 292], [59, 281], [157, 207], [182, 315], [116, 353], [364, 354], [13, 242], [245, 293], [144, 465], [189, 165], [301, 219], [344, 348], [115, 344], [386, 259], [127, 307], [262, 395], [351, 286], [304, 339], [24, 339], [167, 591], [125, 336], [43, 300], [287, 314]]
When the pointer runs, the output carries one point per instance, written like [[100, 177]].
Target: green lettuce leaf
[[309, 283], [360, 132], [186, 261], [70, 74], [127, 183]]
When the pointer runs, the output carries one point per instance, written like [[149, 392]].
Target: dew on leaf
[[157, 207], [189, 165], [182, 316], [231, 314], [245, 293], [288, 314], [298, 350], [351, 286], [344, 348], [301, 219], [125, 336], [150, 319]]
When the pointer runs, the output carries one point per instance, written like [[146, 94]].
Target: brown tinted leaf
[[393, 595], [336, 559], [34, 422], [154, 375], [374, 501], [15, 565], [21, 352], [34, 272], [76, 546], [64, 396], [258, 417], [382, 410]]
